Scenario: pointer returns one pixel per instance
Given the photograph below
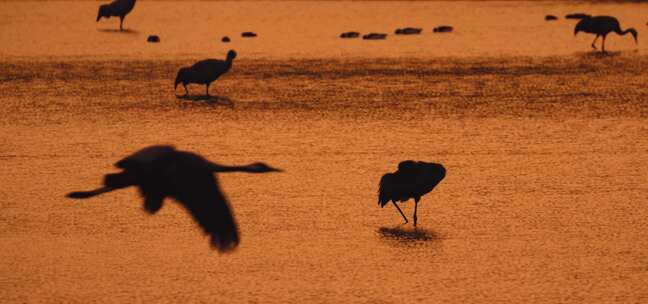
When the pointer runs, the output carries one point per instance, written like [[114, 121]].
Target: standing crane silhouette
[[117, 8], [162, 171], [601, 26], [204, 72], [413, 179]]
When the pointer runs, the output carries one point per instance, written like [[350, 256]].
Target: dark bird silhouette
[[550, 18], [204, 72], [248, 34], [153, 38], [413, 179], [443, 29], [578, 16], [117, 8], [408, 31], [348, 35], [602, 26], [374, 36], [163, 171]]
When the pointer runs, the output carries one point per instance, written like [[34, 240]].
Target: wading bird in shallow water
[[413, 179], [601, 26], [204, 72], [163, 171], [117, 8]]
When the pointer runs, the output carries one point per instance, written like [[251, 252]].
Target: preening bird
[[204, 72], [413, 179], [601, 26], [162, 171], [117, 8]]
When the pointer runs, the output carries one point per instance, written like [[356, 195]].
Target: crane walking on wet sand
[[413, 179], [601, 26], [162, 171], [117, 8], [204, 72]]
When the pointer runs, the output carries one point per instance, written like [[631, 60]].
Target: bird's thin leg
[[399, 210], [208, 89], [416, 200], [603, 45], [594, 42], [186, 91], [121, 22]]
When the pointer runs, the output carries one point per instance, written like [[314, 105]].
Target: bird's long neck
[[221, 168], [628, 30], [228, 63]]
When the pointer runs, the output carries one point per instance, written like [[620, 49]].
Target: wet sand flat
[[543, 201]]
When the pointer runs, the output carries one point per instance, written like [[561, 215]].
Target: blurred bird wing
[[145, 156], [199, 193]]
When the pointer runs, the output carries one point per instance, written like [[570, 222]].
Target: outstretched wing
[[145, 156], [91, 193], [199, 193]]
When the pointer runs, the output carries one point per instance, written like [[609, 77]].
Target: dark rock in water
[[577, 16], [408, 31], [550, 18], [443, 29], [226, 39], [350, 35], [248, 34], [153, 38], [374, 36]]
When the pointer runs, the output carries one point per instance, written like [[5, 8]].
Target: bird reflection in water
[[210, 100], [407, 235]]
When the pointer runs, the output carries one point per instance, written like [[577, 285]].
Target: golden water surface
[[545, 143]]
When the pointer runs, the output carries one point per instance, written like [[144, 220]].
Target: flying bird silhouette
[[601, 26], [117, 8], [162, 171], [413, 179], [204, 72]]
